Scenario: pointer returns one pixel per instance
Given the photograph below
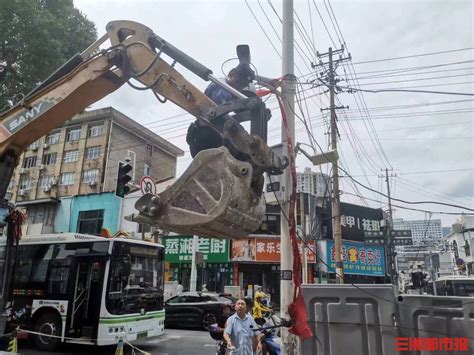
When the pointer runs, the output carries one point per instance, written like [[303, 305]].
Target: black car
[[197, 309]]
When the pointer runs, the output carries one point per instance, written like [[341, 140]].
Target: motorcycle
[[221, 346], [271, 335]]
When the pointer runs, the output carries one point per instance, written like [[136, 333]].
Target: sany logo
[[20, 120]]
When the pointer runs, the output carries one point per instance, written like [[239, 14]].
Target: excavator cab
[[221, 192]]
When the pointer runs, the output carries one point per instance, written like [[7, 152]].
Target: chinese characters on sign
[[360, 223], [266, 250], [431, 344], [356, 220], [358, 259], [179, 249]]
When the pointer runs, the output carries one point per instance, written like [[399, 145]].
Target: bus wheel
[[49, 325]]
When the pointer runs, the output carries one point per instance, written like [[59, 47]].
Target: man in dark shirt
[[202, 137]]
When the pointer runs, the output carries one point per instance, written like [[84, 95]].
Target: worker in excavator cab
[[201, 137]]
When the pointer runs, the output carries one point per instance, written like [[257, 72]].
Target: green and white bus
[[87, 289]]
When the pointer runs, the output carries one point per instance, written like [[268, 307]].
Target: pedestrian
[[179, 288], [204, 288], [241, 331]]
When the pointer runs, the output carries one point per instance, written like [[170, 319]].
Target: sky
[[426, 140]]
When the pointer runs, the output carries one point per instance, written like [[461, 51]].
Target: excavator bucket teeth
[[215, 197]]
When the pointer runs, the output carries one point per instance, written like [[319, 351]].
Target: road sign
[[374, 238], [397, 237], [147, 185]]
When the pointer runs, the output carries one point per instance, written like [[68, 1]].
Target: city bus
[[453, 286], [85, 289]]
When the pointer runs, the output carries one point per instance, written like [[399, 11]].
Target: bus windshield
[[135, 279], [453, 287]]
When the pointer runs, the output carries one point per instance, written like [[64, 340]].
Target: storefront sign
[[356, 220], [178, 249], [358, 258], [266, 250]]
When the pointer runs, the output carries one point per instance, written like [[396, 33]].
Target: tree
[[36, 38]]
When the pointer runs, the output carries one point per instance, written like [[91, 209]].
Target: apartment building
[[424, 232], [313, 183], [81, 158]]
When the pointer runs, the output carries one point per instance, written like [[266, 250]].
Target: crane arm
[[227, 180]]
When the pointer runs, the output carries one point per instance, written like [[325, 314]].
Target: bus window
[[135, 279], [464, 288], [449, 288], [41, 263], [440, 288]]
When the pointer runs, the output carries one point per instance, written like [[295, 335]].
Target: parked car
[[197, 309]]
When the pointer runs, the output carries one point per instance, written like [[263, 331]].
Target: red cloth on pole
[[297, 309]]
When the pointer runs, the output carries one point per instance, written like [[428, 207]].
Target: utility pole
[[289, 341], [336, 202], [391, 257], [193, 278], [303, 229]]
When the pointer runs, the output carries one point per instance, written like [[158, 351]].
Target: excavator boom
[[219, 195]]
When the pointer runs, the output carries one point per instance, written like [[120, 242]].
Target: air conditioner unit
[[34, 148], [47, 188], [22, 193], [54, 182], [41, 167], [45, 146], [23, 171], [92, 183]]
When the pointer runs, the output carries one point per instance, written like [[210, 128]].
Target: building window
[[149, 150], [147, 170], [67, 179], [95, 131], [92, 152], [34, 145], [90, 176], [53, 138], [90, 222], [29, 162], [46, 181], [50, 159], [25, 183], [71, 156], [73, 135]]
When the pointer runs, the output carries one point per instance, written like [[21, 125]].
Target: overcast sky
[[426, 138]]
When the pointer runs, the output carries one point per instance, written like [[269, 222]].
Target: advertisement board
[[358, 258], [266, 250]]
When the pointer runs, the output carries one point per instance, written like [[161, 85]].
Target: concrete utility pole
[[391, 257], [336, 203], [303, 230], [288, 97], [193, 278]]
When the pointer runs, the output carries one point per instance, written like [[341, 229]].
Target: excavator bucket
[[215, 197]]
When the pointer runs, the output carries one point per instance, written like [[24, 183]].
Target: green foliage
[[36, 38]]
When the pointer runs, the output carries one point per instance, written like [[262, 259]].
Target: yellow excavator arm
[[220, 194]]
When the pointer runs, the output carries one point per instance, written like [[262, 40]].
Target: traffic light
[[123, 178]]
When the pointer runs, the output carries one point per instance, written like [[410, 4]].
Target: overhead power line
[[404, 201], [410, 208], [413, 56]]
